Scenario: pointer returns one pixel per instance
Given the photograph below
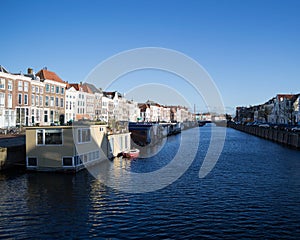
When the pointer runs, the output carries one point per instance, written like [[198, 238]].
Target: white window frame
[[62, 162], [20, 85], [20, 102], [2, 83], [2, 99], [9, 85], [25, 99], [44, 131], [9, 100], [26, 84], [79, 135]]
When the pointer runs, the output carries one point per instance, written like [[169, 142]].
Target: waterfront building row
[[43, 98], [281, 109]]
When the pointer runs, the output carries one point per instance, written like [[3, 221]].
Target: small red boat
[[132, 153]]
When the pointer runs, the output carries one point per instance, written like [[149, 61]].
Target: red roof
[[288, 96], [86, 88], [45, 74], [74, 85]]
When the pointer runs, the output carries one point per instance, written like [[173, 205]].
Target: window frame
[[44, 131], [80, 138], [32, 166], [67, 166]]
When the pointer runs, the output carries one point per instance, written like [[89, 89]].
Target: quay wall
[[11, 156], [291, 139]]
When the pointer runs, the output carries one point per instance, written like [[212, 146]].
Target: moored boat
[[132, 153]]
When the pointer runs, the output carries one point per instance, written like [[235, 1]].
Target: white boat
[[132, 153]]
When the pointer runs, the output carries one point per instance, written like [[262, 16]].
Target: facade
[[7, 99], [166, 114], [54, 97], [296, 110], [145, 115], [71, 103], [283, 109]]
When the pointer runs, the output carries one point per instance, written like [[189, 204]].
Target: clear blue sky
[[250, 48]]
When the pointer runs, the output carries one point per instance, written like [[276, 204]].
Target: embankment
[[291, 139], [12, 151]]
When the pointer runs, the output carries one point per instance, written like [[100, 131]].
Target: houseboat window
[[53, 136], [77, 160], [84, 135], [40, 137], [49, 137], [32, 161], [67, 161]]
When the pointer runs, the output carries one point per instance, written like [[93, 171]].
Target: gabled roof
[[90, 88], [2, 69], [45, 74], [74, 85]]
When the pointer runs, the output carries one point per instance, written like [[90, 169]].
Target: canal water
[[252, 192]]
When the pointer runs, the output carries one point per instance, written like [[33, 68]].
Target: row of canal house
[[43, 98], [282, 109], [154, 112]]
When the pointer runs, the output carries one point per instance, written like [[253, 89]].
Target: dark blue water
[[253, 192]]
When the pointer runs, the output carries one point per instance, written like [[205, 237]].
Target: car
[[296, 129], [265, 125]]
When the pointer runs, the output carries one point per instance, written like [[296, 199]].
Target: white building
[[296, 110], [282, 110]]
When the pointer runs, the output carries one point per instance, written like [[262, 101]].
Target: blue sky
[[250, 48]]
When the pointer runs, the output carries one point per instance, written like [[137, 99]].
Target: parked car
[[296, 129], [265, 125]]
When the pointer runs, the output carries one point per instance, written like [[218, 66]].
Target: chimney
[[30, 71]]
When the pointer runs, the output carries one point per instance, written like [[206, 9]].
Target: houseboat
[[72, 148]]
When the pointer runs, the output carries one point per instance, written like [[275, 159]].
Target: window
[[56, 101], [52, 88], [10, 85], [33, 89], [19, 98], [32, 100], [2, 83], [67, 105], [61, 102], [37, 100], [20, 85], [77, 160], [41, 101], [37, 89], [49, 136], [62, 90], [51, 116], [31, 161], [57, 90], [47, 88], [41, 90], [51, 101], [26, 99], [2, 99], [37, 115], [67, 161], [46, 116], [84, 135], [9, 100], [25, 86], [46, 101]]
